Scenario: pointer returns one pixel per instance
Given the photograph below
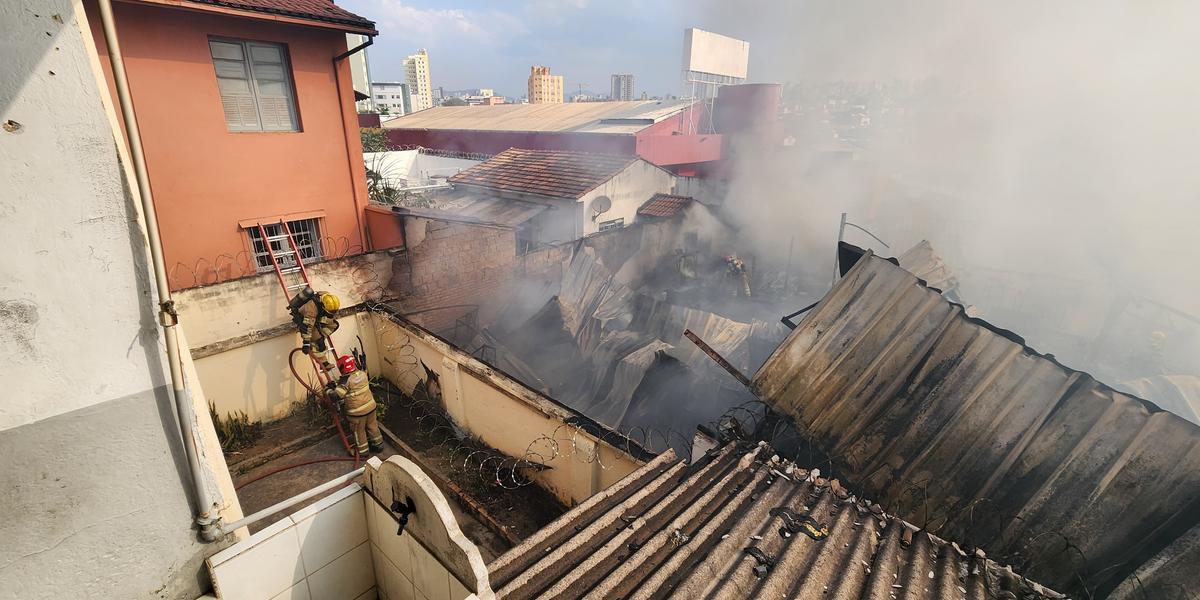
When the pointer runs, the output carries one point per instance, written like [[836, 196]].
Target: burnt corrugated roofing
[[664, 205], [741, 523], [318, 10], [947, 418], [556, 174]]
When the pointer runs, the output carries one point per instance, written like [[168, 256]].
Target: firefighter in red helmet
[[353, 389]]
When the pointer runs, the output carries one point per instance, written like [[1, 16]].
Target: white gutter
[[168, 318]]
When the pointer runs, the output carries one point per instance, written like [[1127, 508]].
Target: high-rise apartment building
[[392, 97], [622, 87], [544, 88], [416, 74]]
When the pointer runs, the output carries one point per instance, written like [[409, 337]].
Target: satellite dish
[[600, 205]]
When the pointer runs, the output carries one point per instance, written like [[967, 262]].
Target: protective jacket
[[355, 390], [314, 323]]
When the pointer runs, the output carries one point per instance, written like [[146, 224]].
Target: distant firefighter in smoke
[[735, 271]]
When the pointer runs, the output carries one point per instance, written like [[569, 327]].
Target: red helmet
[[346, 364]]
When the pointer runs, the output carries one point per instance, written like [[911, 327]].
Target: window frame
[[313, 245], [288, 81]]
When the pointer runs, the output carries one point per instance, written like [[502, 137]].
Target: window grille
[[305, 232]]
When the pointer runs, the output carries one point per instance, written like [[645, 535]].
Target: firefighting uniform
[[315, 325], [355, 390]]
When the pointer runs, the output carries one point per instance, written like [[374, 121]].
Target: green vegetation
[[235, 431]]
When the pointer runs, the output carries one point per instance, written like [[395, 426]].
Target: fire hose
[[323, 398]]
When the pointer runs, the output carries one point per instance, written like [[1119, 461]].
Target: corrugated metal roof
[[481, 210], [673, 530], [318, 10], [950, 419], [664, 205], [551, 173], [588, 117]]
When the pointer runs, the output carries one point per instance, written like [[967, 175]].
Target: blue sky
[[475, 43]]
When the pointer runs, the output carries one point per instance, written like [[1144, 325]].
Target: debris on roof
[[664, 205], [943, 415], [741, 523], [589, 117], [552, 173], [317, 10]]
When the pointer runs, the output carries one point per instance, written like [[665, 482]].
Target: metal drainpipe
[[337, 80], [205, 520]]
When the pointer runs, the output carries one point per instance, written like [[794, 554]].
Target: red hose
[[320, 394], [301, 464]]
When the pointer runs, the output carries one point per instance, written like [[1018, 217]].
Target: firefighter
[[735, 269], [353, 390], [315, 315]]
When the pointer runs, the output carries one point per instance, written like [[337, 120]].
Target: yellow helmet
[[330, 303]]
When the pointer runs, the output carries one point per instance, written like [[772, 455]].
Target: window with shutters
[[255, 82]]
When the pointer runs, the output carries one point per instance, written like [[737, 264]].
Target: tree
[[456, 101], [374, 139]]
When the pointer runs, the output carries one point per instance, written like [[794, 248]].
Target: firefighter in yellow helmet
[[354, 390], [315, 315]]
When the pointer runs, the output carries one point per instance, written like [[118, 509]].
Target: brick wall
[[449, 265]]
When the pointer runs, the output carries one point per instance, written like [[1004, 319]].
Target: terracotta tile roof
[[741, 523], [664, 205], [547, 173], [317, 10]]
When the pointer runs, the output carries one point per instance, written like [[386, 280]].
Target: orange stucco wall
[[206, 179]]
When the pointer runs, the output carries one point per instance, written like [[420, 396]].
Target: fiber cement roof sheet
[[593, 117], [673, 530], [958, 423]]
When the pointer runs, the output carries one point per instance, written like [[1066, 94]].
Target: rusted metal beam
[[717, 358], [465, 500]]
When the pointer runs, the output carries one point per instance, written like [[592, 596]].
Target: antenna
[[600, 205]]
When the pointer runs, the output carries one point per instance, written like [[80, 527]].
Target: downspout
[[168, 318], [337, 81]]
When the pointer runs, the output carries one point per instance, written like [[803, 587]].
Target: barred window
[[308, 242]]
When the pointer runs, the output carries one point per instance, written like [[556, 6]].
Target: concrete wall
[[94, 483], [501, 412], [262, 174], [255, 378], [451, 268], [630, 189]]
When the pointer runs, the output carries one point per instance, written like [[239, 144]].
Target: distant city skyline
[[476, 44]]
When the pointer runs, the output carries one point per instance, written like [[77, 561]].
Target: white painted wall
[[404, 168], [629, 190], [94, 481]]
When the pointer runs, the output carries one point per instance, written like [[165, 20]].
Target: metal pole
[[290, 502], [841, 232], [205, 505], [717, 358]]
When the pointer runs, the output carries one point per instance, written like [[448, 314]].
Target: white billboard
[[709, 52]]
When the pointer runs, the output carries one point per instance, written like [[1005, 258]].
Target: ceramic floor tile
[[331, 532], [380, 565], [398, 585], [263, 571], [296, 592], [369, 595], [428, 575], [458, 591], [347, 577]]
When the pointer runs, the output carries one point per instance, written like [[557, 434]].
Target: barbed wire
[[227, 267]]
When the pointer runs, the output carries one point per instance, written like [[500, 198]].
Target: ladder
[[292, 261], [287, 261], [290, 264]]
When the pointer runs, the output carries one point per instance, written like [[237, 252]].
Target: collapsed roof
[[740, 523], [957, 422]]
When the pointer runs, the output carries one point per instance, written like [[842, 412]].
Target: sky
[[488, 44]]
